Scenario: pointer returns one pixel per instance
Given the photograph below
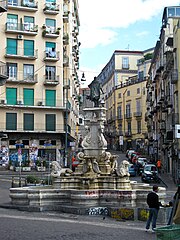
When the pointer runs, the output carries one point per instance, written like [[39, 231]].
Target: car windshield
[[150, 168]]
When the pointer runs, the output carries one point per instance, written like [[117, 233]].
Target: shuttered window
[[11, 121], [28, 96], [51, 98], [11, 96], [11, 46], [50, 122], [28, 48], [28, 122]]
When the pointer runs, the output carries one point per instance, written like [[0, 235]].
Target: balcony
[[21, 53], [50, 32], [65, 38], [125, 66], [3, 73], [25, 5], [19, 28], [162, 126], [3, 6], [128, 115], [174, 76], [66, 83], [66, 16], [51, 8], [51, 56], [65, 61], [137, 114], [51, 80], [21, 78]]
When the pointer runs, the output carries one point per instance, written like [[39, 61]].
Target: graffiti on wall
[[98, 211]]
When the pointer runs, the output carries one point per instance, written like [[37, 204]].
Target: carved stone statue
[[57, 170], [122, 170], [95, 91]]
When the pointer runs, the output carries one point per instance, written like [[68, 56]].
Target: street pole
[[66, 130]]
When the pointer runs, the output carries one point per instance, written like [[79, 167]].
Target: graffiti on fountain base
[[98, 211]]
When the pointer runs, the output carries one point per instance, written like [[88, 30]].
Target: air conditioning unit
[[40, 103], [20, 37], [3, 101], [20, 102]]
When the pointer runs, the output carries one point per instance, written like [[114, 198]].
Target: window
[[51, 73], [12, 22], [13, 2], [138, 105], [11, 121], [138, 90], [28, 96], [129, 128], [50, 25], [144, 90], [50, 122], [125, 62], [128, 93], [28, 72], [119, 95], [119, 112], [28, 122], [51, 98], [11, 46], [139, 126], [28, 23], [28, 48], [50, 49], [11, 96], [128, 110], [141, 76], [12, 71]]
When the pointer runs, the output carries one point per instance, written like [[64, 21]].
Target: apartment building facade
[[38, 104], [124, 84], [163, 95]]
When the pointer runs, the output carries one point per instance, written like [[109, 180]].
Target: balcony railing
[[51, 56], [21, 78], [51, 80], [25, 5], [26, 28], [66, 83], [23, 53], [66, 38], [51, 32], [128, 115], [3, 73], [137, 114], [65, 60], [51, 8]]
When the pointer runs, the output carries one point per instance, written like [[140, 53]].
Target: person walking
[[159, 165], [154, 204]]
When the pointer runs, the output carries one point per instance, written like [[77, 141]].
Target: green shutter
[[50, 45], [28, 122], [11, 121], [51, 98], [11, 46], [11, 96], [28, 48], [28, 96], [50, 22], [28, 19], [50, 122]]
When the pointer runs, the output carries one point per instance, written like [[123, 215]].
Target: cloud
[[100, 19], [142, 34]]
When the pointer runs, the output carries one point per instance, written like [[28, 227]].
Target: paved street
[[19, 225]]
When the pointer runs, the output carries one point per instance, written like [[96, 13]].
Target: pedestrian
[[154, 204], [159, 165]]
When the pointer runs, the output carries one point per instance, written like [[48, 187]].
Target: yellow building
[[38, 104], [124, 84]]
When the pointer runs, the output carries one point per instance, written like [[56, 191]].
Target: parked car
[[142, 161], [149, 173], [132, 170]]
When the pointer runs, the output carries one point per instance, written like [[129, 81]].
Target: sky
[[106, 26]]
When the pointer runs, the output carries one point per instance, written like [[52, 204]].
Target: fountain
[[99, 183]]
